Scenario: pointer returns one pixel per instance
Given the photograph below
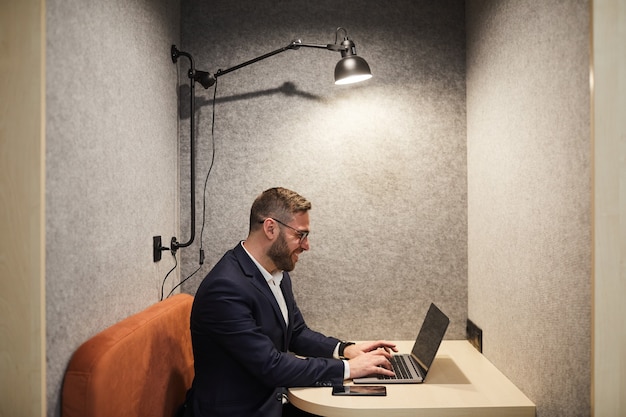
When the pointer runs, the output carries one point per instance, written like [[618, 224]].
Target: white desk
[[461, 382]]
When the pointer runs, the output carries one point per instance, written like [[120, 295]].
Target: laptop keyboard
[[399, 368]]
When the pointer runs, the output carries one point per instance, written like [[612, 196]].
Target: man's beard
[[281, 256]]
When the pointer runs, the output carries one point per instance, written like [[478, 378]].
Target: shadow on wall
[[288, 88]]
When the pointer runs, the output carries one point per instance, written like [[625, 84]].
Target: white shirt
[[273, 280]]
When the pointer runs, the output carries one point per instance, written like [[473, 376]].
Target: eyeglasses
[[302, 234]]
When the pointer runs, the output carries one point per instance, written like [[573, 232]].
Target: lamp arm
[[295, 44], [331, 46]]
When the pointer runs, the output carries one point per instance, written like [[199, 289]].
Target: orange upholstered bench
[[141, 366]]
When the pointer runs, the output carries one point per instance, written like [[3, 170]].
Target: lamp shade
[[352, 69]]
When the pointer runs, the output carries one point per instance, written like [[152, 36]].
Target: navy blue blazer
[[242, 346]]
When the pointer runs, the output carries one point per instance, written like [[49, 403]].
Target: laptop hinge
[[422, 368]]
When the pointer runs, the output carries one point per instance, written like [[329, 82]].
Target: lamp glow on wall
[[350, 69]]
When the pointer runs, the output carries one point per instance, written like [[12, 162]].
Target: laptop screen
[[430, 336]]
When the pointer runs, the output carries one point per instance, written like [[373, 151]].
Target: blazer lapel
[[258, 280], [290, 307]]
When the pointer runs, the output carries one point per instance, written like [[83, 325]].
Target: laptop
[[412, 368]]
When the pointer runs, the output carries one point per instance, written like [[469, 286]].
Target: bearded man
[[246, 327]]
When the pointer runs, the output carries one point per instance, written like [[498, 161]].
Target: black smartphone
[[363, 390]]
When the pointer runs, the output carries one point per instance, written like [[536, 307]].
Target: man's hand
[[370, 358], [353, 351], [371, 363]]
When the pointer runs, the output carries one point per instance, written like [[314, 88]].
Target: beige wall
[[22, 345], [111, 164], [383, 162], [529, 195], [609, 138], [22, 227], [553, 272]]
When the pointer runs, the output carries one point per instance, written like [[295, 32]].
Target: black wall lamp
[[350, 69]]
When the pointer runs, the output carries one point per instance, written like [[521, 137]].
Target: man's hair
[[279, 203]]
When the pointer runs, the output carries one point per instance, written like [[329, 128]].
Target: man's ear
[[270, 228]]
